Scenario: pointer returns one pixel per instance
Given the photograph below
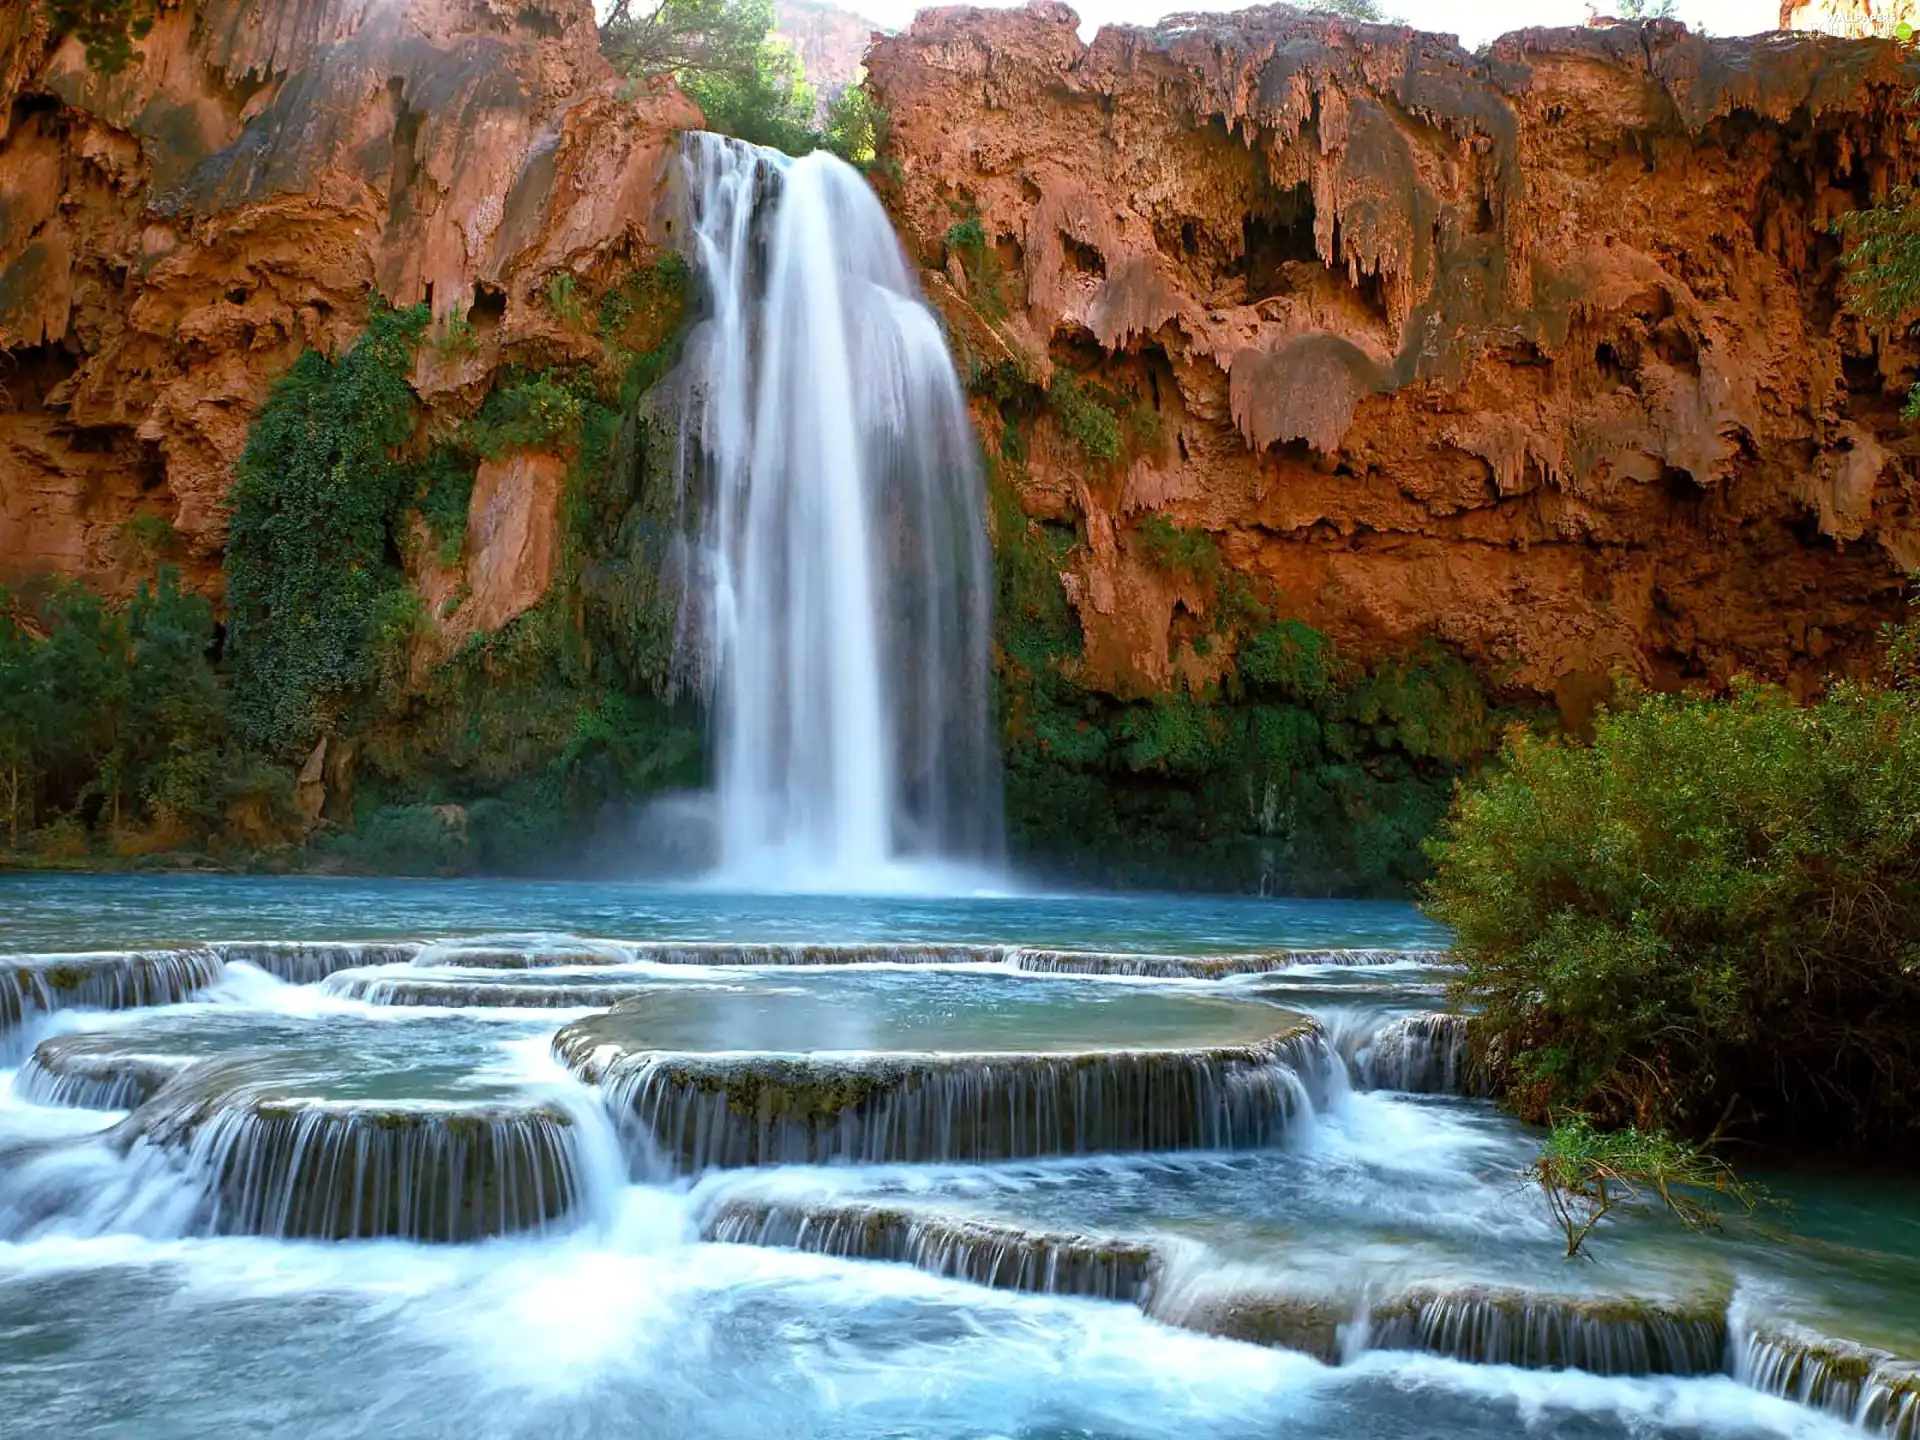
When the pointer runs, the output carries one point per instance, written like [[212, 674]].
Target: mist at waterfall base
[[833, 564]]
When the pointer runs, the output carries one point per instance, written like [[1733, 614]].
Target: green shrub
[[1090, 424], [768, 103], [1584, 1174], [443, 494], [967, 238], [311, 553], [1184, 552], [1289, 659], [857, 127], [108, 28], [172, 745], [146, 539], [115, 712], [1715, 906], [547, 410], [655, 293], [563, 297], [407, 840], [456, 338]]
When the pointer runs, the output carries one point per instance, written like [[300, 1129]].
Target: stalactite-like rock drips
[[1541, 351]]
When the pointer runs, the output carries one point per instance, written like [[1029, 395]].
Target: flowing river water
[[319, 1157]]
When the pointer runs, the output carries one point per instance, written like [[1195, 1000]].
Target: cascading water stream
[[839, 573]]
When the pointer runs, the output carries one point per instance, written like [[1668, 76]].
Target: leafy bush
[[1091, 425], [563, 297], [769, 104], [1714, 905], [1585, 1174], [540, 411], [967, 239], [443, 493], [1185, 552], [1883, 263], [311, 553], [115, 711], [856, 128], [1289, 659], [146, 539], [456, 338], [407, 840]]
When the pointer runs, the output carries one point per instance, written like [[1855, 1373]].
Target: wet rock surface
[[1027, 1074]]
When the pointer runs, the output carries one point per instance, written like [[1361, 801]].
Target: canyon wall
[[1344, 394], [172, 237], [1541, 351]]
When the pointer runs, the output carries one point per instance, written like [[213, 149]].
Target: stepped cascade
[[1264, 1142], [838, 574]]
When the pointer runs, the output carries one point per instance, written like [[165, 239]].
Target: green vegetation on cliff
[[1305, 771], [113, 719], [1883, 264], [535, 730], [110, 29], [314, 587], [143, 727], [1711, 912]]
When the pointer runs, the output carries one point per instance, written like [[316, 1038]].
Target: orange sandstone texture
[[173, 237], [1542, 351]]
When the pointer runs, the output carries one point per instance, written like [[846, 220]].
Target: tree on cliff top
[[723, 53], [674, 37]]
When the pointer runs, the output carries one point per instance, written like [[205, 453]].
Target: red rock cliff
[[172, 238], [1542, 351]]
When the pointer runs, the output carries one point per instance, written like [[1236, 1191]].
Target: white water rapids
[[838, 593]]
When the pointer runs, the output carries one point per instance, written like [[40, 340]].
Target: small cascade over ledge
[[836, 608]]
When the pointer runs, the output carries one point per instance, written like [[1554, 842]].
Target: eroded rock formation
[[1542, 351], [173, 237]]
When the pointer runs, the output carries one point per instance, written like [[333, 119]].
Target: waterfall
[[1000, 1256], [690, 1112], [838, 572]]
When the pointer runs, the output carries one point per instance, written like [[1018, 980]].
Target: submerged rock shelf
[[837, 1067], [291, 1167], [33, 985], [702, 1111], [93, 1072], [1527, 1329], [1001, 1257], [481, 955], [1877, 1391], [386, 987]]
